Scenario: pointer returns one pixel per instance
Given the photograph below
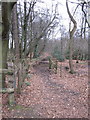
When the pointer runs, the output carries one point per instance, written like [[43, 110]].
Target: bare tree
[[71, 38]]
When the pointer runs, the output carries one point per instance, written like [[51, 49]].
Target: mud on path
[[52, 96]]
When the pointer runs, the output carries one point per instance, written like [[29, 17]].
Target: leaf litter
[[47, 95]]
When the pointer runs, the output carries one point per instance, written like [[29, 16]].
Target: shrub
[[67, 54], [77, 54], [57, 54]]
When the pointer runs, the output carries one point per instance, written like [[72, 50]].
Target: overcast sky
[[61, 7], [62, 10]]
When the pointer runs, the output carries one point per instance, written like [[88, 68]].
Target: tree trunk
[[4, 59], [25, 27], [5, 38], [89, 34], [16, 41], [6, 12], [70, 55], [71, 39], [35, 51], [15, 33]]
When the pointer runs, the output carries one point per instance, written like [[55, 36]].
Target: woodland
[[44, 63]]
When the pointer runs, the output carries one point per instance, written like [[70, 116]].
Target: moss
[[50, 63], [19, 107], [72, 72]]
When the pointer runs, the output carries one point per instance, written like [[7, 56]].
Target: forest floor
[[52, 96]]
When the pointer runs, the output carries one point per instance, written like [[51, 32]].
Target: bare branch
[[85, 13], [72, 19]]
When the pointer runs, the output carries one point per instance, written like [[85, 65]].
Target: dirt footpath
[[52, 96]]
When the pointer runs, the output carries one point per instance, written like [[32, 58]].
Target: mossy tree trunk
[[16, 42], [35, 51], [4, 59], [50, 63], [6, 12], [5, 38]]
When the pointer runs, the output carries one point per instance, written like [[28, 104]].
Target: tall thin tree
[[71, 38]]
